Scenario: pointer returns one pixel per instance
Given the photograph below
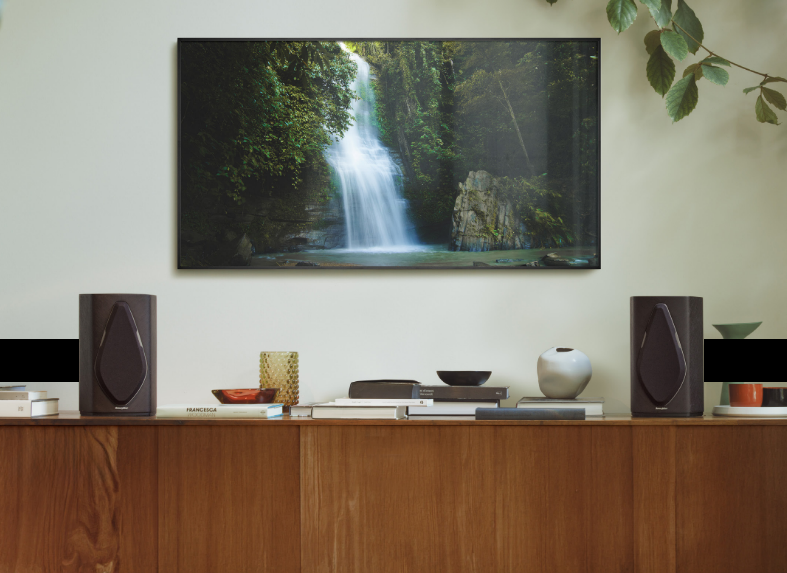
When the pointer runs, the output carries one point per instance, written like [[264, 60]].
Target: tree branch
[[717, 55]]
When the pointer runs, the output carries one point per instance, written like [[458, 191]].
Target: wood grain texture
[[654, 499], [568, 497], [456, 499], [732, 500], [393, 497], [229, 499], [611, 536], [67, 499], [137, 468]]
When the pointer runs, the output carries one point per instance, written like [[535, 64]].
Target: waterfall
[[369, 180]]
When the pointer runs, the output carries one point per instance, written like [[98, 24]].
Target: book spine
[[216, 412], [383, 390], [32, 395], [590, 409], [44, 407], [301, 410], [529, 414], [462, 393], [381, 402], [334, 413], [15, 408], [453, 409]]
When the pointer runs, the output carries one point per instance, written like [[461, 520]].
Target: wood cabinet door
[[78, 498], [229, 499]]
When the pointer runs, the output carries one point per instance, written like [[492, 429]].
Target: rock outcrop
[[321, 226], [483, 221], [555, 260], [326, 231]]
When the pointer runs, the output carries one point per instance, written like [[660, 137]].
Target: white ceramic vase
[[563, 373]]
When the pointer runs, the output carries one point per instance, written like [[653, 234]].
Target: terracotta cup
[[746, 395]]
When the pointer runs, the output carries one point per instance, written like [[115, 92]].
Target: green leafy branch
[[686, 37]]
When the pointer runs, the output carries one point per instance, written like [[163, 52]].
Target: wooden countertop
[[73, 418]]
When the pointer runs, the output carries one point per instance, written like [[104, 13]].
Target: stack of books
[[445, 400], [594, 407], [18, 402], [459, 400], [221, 411], [368, 408]]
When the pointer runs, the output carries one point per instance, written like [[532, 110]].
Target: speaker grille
[[661, 365], [120, 362]]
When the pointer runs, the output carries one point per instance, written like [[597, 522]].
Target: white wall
[[88, 201]]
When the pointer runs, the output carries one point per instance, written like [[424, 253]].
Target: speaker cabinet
[[666, 356], [117, 354]]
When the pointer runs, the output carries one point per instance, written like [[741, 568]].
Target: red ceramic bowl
[[246, 395], [746, 395]]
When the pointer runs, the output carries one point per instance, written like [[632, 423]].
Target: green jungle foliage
[[525, 111], [255, 119]]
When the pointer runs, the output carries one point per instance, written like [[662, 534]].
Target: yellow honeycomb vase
[[280, 370]]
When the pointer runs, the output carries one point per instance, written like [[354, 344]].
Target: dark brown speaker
[[666, 356], [117, 354]]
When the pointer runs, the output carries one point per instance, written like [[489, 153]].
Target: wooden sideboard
[[289, 495]]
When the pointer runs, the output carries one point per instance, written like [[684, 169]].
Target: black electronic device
[[117, 354], [666, 356]]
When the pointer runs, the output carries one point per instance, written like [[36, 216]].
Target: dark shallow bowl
[[774, 397], [246, 395], [464, 377]]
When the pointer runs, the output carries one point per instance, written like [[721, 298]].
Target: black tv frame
[[597, 41]]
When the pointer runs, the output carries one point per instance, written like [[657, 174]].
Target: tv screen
[[317, 154]]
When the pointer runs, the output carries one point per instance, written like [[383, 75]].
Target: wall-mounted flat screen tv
[[314, 154]]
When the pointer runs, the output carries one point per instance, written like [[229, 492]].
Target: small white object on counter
[[751, 412], [563, 372]]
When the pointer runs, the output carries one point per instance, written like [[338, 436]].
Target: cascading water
[[374, 210]]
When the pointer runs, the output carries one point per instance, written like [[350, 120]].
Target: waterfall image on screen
[[374, 209], [419, 154]]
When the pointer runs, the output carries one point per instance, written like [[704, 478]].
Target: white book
[[302, 410], [223, 411], [424, 402], [22, 395], [592, 406], [28, 408], [452, 409], [333, 411]]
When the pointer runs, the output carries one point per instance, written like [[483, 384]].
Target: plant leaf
[[675, 45], [652, 40], [716, 75], [621, 14], [551, 2], [652, 4], [682, 98], [772, 79], [696, 69], [776, 98], [713, 60], [663, 16], [764, 113], [747, 90], [686, 19], [661, 71]]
